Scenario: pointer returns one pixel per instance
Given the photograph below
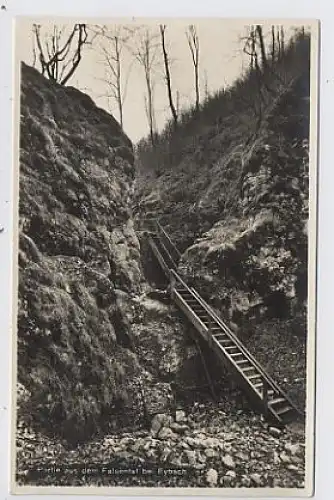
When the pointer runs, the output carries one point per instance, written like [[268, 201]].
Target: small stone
[[210, 453], [167, 433], [191, 456], [275, 432], [179, 428], [180, 416], [231, 473], [228, 462], [242, 456], [296, 460], [226, 481], [256, 478], [211, 477], [160, 420], [199, 466], [293, 468], [246, 482], [190, 441], [136, 446], [294, 449], [165, 454], [284, 457]]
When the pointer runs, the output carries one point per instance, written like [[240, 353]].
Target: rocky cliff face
[[254, 257], [79, 257]]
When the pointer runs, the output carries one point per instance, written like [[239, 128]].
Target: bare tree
[[193, 42], [113, 42], [273, 45], [167, 74], [250, 48], [206, 86], [279, 46], [59, 59], [259, 33], [282, 40], [145, 52]]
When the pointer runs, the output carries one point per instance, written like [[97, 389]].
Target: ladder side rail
[[159, 257], [179, 280], [167, 237], [191, 315], [171, 262]]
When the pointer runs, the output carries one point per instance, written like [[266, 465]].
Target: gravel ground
[[206, 447]]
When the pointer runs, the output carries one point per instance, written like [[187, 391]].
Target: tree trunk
[[197, 86], [262, 46], [167, 74], [273, 45]]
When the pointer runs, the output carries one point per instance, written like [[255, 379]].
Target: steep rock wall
[[79, 259]]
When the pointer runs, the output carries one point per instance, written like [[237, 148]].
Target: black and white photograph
[[164, 335]]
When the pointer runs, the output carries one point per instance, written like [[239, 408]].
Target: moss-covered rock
[[79, 260]]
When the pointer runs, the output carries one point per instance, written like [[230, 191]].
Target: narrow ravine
[[112, 387]]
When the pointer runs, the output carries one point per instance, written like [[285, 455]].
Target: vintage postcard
[[164, 323]]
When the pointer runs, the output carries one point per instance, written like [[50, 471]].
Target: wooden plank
[[198, 324]]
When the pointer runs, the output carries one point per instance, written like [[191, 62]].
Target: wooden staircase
[[262, 391]]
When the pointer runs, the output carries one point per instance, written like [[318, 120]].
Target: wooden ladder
[[263, 392]]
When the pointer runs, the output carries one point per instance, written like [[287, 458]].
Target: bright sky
[[221, 62]]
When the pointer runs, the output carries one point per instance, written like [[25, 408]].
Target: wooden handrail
[[166, 251], [161, 229], [159, 256], [183, 283]]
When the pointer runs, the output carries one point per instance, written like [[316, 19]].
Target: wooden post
[[172, 284], [206, 370], [265, 397], [210, 332]]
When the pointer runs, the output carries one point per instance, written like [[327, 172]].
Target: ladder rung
[[278, 400], [283, 410], [256, 375]]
